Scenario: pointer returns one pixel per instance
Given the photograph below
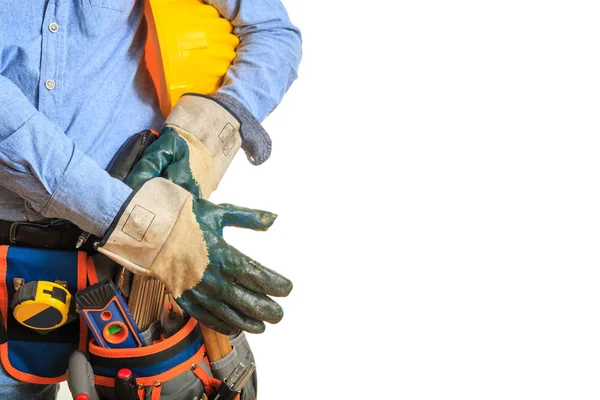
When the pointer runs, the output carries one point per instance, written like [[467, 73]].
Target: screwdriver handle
[[125, 385]]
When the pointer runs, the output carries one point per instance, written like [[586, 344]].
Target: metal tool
[[125, 385], [82, 239], [80, 377], [233, 384]]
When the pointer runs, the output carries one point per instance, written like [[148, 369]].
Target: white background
[[436, 170]]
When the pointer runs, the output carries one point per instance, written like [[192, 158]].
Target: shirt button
[[53, 27], [50, 84]]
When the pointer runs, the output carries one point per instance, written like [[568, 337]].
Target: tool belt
[[174, 368]]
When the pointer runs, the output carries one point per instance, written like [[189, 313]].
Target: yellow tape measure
[[42, 305]]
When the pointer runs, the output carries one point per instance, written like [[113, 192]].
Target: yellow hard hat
[[189, 48]]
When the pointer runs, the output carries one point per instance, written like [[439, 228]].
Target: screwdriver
[[125, 385]]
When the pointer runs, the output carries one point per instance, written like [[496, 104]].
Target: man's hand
[[166, 232], [194, 149], [233, 293]]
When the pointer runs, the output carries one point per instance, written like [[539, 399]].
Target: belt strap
[[54, 235]]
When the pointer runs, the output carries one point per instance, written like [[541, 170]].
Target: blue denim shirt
[[74, 87]]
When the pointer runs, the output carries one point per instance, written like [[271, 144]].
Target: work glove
[[166, 232], [194, 148]]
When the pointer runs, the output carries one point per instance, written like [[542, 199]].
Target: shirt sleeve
[[267, 62], [43, 166]]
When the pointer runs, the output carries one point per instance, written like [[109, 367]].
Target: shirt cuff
[[83, 184], [255, 139]]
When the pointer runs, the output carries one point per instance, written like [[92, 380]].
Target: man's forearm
[[266, 65], [42, 165]]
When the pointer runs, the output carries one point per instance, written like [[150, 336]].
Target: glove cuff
[[152, 233], [213, 124]]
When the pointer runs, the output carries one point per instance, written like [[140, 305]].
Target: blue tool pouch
[[28, 355]]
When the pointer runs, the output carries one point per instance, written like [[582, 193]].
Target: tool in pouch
[[125, 385], [172, 318], [80, 377], [231, 387], [42, 305], [106, 314]]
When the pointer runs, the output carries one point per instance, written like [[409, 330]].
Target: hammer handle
[[217, 344]]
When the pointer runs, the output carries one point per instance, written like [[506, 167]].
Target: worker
[[74, 88]]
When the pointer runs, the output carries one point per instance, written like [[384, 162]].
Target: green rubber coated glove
[[193, 150], [233, 293], [165, 232], [225, 290]]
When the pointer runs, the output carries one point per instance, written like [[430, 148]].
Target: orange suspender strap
[[210, 384], [3, 289], [92, 276], [87, 269], [3, 299], [156, 392]]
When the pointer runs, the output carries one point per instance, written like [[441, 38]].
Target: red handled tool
[[125, 385], [80, 377]]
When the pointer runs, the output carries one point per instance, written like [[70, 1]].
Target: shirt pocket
[[104, 17], [117, 5]]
